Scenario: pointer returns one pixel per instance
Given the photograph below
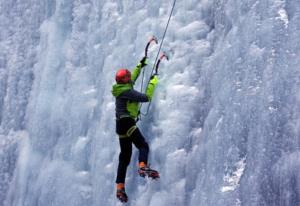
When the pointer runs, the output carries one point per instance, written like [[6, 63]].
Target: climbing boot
[[146, 171], [121, 194]]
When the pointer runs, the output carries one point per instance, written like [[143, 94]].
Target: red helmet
[[123, 76]]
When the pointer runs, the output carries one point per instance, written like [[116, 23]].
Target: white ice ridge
[[231, 181], [283, 16]]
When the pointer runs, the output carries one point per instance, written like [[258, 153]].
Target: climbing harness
[[129, 132], [157, 60]]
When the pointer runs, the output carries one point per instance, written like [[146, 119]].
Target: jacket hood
[[118, 89]]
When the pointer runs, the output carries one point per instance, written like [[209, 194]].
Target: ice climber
[[127, 109]]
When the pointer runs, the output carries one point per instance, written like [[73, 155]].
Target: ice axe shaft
[[162, 56], [152, 39]]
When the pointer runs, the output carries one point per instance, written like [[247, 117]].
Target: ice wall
[[223, 126]]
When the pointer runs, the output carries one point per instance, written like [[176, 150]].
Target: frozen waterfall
[[224, 125]]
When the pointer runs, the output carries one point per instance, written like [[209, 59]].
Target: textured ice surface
[[224, 125]]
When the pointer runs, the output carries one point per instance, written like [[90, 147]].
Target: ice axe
[[153, 39], [162, 56]]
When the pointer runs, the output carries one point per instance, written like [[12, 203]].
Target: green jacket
[[127, 99]]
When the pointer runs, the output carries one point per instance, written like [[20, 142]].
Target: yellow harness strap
[[122, 136], [129, 132]]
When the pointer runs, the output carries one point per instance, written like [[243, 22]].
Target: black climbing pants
[[123, 125]]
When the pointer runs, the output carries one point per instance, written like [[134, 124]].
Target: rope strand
[[156, 59]]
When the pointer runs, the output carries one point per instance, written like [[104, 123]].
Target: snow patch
[[255, 51], [196, 29], [80, 144], [90, 91], [92, 103], [283, 16], [231, 181]]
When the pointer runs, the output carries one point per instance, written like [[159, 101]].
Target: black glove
[[153, 76], [143, 62]]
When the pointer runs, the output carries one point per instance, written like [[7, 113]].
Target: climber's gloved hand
[[144, 62], [154, 79]]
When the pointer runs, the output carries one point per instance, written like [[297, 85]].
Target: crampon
[[147, 172], [122, 196]]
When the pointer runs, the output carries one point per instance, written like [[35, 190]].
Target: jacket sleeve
[[136, 72], [151, 87], [135, 96]]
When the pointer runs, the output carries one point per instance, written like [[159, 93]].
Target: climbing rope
[[163, 38], [156, 59]]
